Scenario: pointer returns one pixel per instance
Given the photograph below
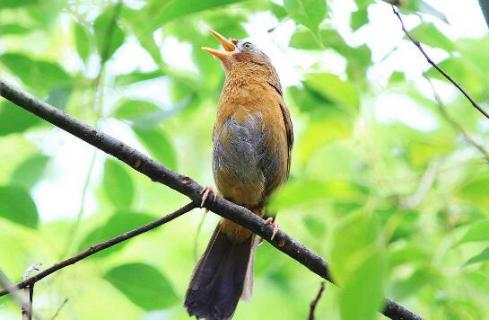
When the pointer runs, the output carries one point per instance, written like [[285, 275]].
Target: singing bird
[[252, 140]]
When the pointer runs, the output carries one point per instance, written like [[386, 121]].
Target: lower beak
[[228, 46]]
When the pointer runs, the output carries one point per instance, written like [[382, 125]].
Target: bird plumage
[[252, 140]]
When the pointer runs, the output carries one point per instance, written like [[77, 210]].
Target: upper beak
[[226, 44]]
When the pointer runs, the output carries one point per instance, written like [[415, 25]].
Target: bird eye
[[247, 46]]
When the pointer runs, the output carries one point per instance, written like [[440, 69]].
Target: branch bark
[[437, 67], [484, 4], [99, 247], [180, 183]]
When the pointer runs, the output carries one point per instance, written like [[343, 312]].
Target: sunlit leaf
[[117, 224], [332, 87], [28, 173], [309, 13], [481, 257], [13, 29], [362, 295], [118, 184], [356, 238], [108, 34], [17, 205], [476, 232], [162, 14], [144, 285], [430, 35], [137, 76], [358, 19], [158, 144], [404, 288], [83, 41], [31, 71], [131, 109]]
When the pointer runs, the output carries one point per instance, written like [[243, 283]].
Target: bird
[[252, 142]]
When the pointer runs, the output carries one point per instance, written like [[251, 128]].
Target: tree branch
[[99, 247], [484, 4], [180, 183], [438, 68], [314, 303]]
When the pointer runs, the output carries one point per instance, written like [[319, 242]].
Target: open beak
[[228, 46]]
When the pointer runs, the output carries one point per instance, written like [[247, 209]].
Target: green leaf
[[83, 41], [362, 295], [17, 205], [108, 34], [144, 285], [358, 19], [14, 119], [476, 189], [117, 224], [315, 225], [309, 13], [158, 144], [331, 87], [118, 184], [137, 76], [330, 38], [132, 109], [355, 239], [5, 4], [476, 232], [413, 283], [37, 74], [430, 35], [161, 14], [13, 29], [481, 257], [28, 173]]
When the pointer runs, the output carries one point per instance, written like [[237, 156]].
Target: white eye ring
[[247, 45]]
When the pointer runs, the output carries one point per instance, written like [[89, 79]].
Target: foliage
[[398, 210]]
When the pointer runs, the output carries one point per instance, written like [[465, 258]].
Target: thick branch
[[99, 247], [182, 184], [437, 67]]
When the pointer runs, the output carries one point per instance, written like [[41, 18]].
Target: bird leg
[[270, 221], [206, 192]]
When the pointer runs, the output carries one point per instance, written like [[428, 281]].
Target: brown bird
[[252, 143]]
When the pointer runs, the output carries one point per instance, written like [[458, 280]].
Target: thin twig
[[183, 184], [65, 301], [444, 113], [438, 68], [29, 293], [10, 288], [101, 246], [314, 303]]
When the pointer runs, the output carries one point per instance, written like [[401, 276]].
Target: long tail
[[219, 278]]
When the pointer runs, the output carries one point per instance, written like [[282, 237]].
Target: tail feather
[[219, 278]]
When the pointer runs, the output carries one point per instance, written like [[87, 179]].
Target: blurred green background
[[383, 185]]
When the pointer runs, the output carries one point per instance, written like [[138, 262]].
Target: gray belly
[[239, 150]]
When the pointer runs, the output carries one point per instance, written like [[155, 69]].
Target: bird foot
[[206, 192], [270, 221]]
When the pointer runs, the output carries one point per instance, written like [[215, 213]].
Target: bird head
[[239, 55]]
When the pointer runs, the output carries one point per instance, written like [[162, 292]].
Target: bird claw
[[206, 192], [270, 221]]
